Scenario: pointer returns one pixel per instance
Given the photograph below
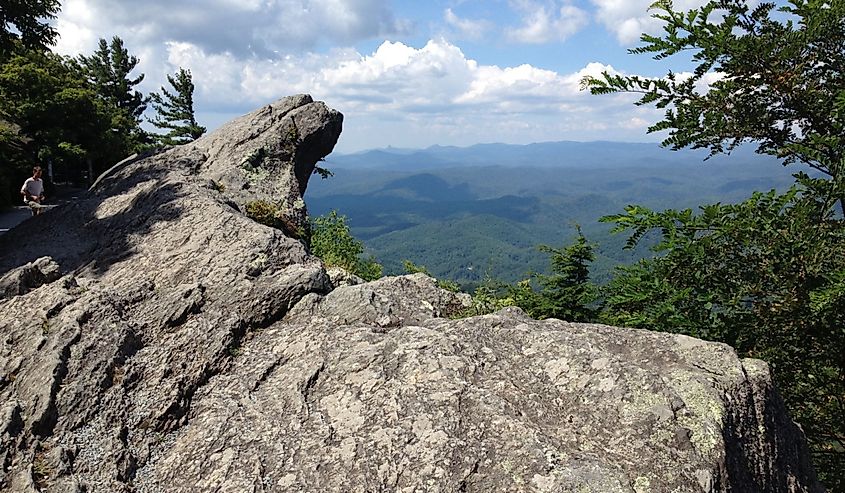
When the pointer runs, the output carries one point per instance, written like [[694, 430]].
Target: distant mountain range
[[564, 154], [468, 213]]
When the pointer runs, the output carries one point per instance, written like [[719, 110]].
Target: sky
[[405, 73]]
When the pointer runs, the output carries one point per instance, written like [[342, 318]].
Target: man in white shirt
[[33, 191]]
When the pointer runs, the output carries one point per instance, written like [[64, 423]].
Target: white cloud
[[466, 28], [407, 96], [543, 22], [247, 27], [628, 19], [246, 53]]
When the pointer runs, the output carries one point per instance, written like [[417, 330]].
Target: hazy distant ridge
[[564, 154]]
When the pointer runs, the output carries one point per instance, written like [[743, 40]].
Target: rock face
[[161, 340]]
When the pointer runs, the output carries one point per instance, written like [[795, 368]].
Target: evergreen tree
[[566, 293], [175, 110], [108, 70], [49, 112], [27, 22]]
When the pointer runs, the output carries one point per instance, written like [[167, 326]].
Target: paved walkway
[[9, 218]]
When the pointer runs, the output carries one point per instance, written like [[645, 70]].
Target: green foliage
[[332, 241], [175, 110], [264, 212], [272, 214], [487, 298], [764, 275], [566, 293], [108, 70], [51, 112], [779, 78], [324, 173], [25, 23]]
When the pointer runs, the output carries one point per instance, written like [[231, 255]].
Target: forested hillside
[[470, 221]]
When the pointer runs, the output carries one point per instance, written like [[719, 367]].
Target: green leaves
[[778, 79], [27, 22], [764, 275], [332, 241]]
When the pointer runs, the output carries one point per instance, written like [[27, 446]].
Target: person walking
[[33, 191]]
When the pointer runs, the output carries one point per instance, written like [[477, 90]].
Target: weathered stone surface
[[493, 403], [387, 302], [342, 277], [29, 276], [165, 277], [189, 348]]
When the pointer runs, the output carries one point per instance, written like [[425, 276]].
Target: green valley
[[471, 221]]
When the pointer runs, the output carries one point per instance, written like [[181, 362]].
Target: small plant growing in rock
[[332, 241], [264, 212], [270, 214], [41, 471]]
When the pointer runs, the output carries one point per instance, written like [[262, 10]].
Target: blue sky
[[404, 73]]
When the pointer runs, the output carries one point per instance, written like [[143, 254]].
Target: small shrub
[[332, 241]]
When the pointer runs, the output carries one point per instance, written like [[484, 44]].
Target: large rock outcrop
[[156, 338]]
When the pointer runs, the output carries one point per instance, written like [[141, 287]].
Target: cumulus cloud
[[245, 53], [543, 22], [417, 96], [628, 19], [242, 27]]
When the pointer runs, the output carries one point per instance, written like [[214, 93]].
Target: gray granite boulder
[[173, 344]]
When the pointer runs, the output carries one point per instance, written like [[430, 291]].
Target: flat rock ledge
[[163, 341]]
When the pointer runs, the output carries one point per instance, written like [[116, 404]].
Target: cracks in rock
[[191, 302], [464, 483], [43, 426], [708, 370], [126, 463], [128, 346], [309, 386], [281, 361]]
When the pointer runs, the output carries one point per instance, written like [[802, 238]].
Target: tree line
[[77, 115]]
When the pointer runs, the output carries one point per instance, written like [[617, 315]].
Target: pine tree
[[175, 110], [27, 22], [108, 70]]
